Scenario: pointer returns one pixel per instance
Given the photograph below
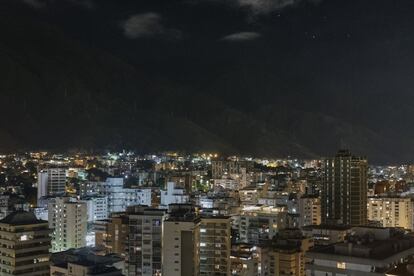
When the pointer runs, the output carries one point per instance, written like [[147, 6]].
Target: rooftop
[[368, 247], [21, 218]]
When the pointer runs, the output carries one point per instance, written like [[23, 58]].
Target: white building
[[391, 211], [41, 213], [51, 181], [173, 195], [97, 207], [119, 198], [180, 241], [68, 221]]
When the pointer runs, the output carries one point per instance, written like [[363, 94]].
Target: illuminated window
[[341, 265], [24, 238]]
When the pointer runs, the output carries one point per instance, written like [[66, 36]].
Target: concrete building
[[287, 253], [119, 198], [309, 208], [180, 254], [244, 260], [51, 181], [367, 251], [96, 207], [68, 221], [326, 234], [85, 262], [249, 195], [391, 211], [112, 234], [219, 168], [215, 246], [344, 189], [227, 183], [173, 195], [11, 203], [259, 224], [24, 245], [144, 240]]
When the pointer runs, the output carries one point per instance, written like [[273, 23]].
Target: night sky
[[261, 77]]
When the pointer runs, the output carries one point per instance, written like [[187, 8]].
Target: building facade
[[24, 245], [344, 189], [51, 181], [119, 197], [180, 254], [391, 211], [309, 210], [68, 221], [144, 240], [215, 246]]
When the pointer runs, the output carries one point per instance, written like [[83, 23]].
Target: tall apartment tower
[[68, 221], [51, 181], [215, 246], [180, 254], [344, 190], [24, 245], [310, 210], [112, 234], [144, 240]]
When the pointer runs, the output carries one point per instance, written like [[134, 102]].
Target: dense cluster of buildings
[[172, 214]]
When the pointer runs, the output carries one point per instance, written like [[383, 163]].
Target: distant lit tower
[[344, 190], [51, 181]]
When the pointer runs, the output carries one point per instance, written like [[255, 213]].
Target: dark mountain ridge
[[59, 92]]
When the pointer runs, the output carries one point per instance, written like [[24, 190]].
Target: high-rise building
[[144, 240], [112, 234], [24, 245], [287, 253], [97, 207], [173, 194], [180, 241], [344, 191], [258, 224], [215, 246], [68, 221], [51, 181], [391, 211], [119, 197], [309, 210]]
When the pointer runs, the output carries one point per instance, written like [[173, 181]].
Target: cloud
[[258, 7], [147, 25], [39, 4], [242, 36], [266, 6]]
